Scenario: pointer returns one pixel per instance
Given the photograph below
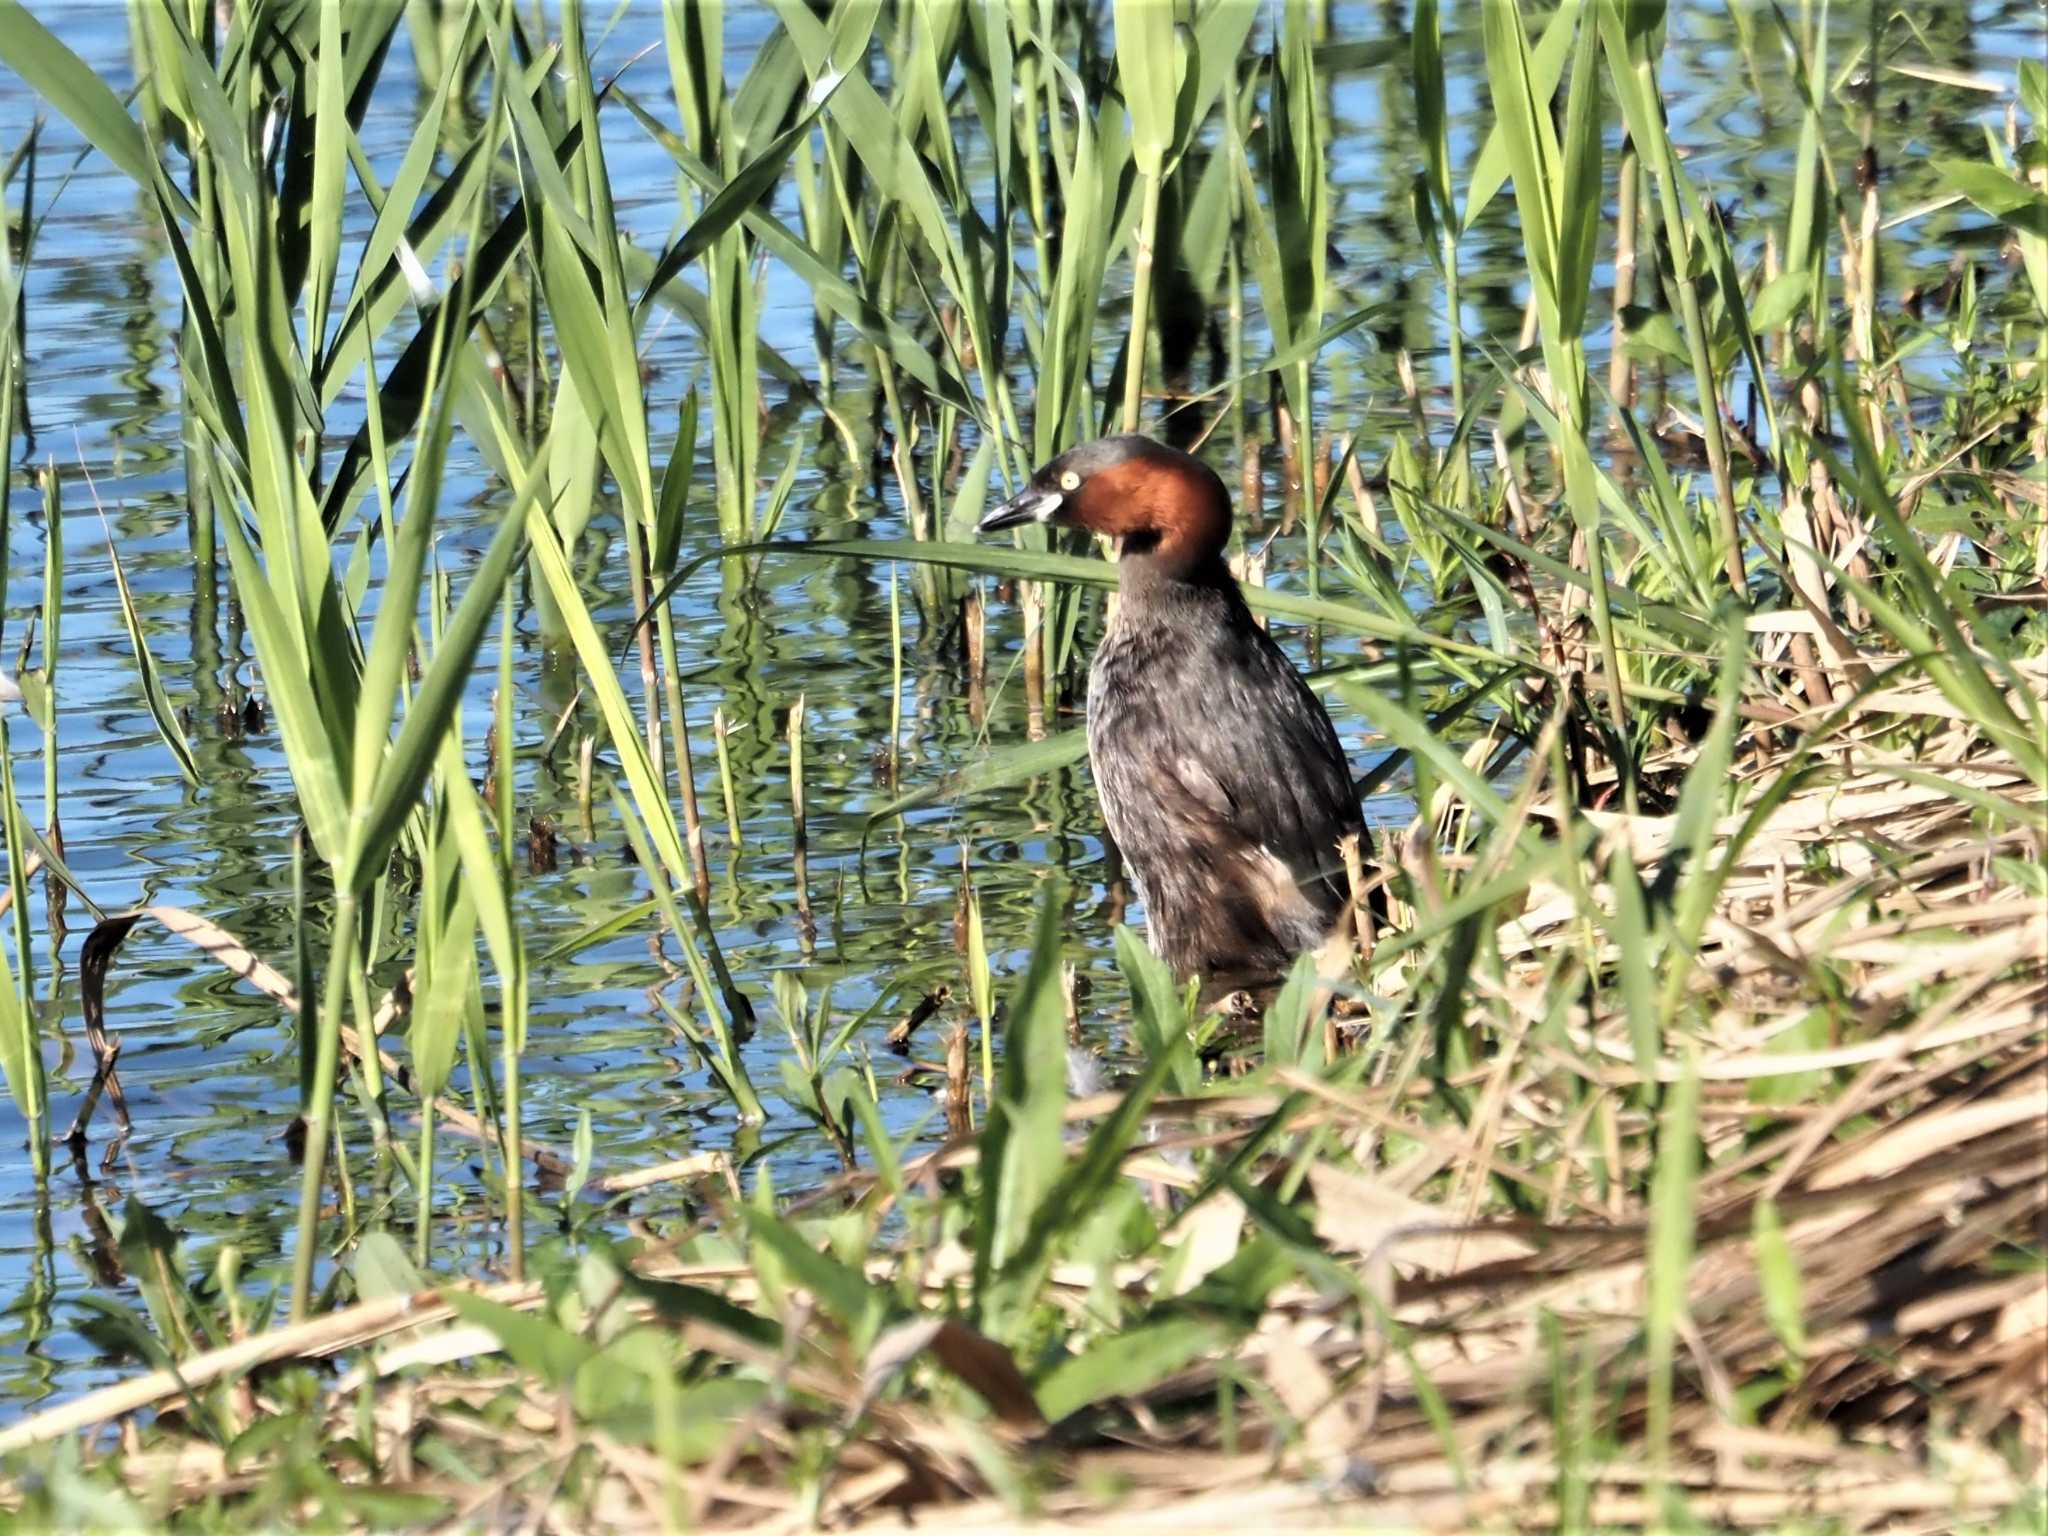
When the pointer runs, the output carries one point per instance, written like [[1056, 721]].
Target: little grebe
[[1219, 772]]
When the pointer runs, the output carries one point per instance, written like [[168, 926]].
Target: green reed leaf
[[1022, 1152], [330, 164], [446, 999], [160, 711], [1082, 1186], [1672, 1192], [826, 284], [999, 768], [1148, 63], [433, 705], [534, 1343], [843, 1291], [309, 750], [1159, 1018], [1634, 944], [67, 83], [1432, 120], [1495, 161], [394, 221], [1777, 1269], [1131, 1360], [1579, 198], [731, 202]]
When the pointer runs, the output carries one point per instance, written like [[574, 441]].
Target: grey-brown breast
[[1222, 781]]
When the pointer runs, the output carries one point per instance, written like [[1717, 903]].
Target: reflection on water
[[210, 1067]]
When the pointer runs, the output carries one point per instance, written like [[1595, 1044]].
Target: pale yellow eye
[[1070, 481]]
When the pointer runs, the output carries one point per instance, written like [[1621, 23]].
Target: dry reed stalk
[[1361, 907], [1361, 495], [959, 1084], [1290, 464], [1251, 487], [1411, 392], [927, 1005], [974, 646], [1511, 490], [1863, 245], [1031, 605], [227, 951]]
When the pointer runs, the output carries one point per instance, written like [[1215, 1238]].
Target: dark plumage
[[1220, 775]]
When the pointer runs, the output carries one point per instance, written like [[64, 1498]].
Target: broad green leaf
[[1130, 1360], [844, 1292], [1148, 68], [1158, 1017], [1999, 193], [1779, 301], [383, 1269], [1021, 1149], [1287, 1033], [1777, 1269], [1081, 1187], [1491, 169], [535, 1343]]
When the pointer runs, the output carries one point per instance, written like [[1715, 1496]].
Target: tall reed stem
[[1678, 244], [686, 768], [1620, 366], [320, 1101], [1863, 301], [1455, 337], [895, 674], [424, 1221], [512, 1039], [636, 563], [1141, 303], [721, 728], [35, 1092]]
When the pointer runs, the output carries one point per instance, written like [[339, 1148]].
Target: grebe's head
[[1168, 507]]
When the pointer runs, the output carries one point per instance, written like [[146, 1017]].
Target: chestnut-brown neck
[[1171, 512]]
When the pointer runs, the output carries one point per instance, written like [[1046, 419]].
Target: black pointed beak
[[1027, 506]]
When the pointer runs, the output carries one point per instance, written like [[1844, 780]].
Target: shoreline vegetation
[[1673, 1156]]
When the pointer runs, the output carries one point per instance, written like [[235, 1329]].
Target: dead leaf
[[1363, 1216]]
